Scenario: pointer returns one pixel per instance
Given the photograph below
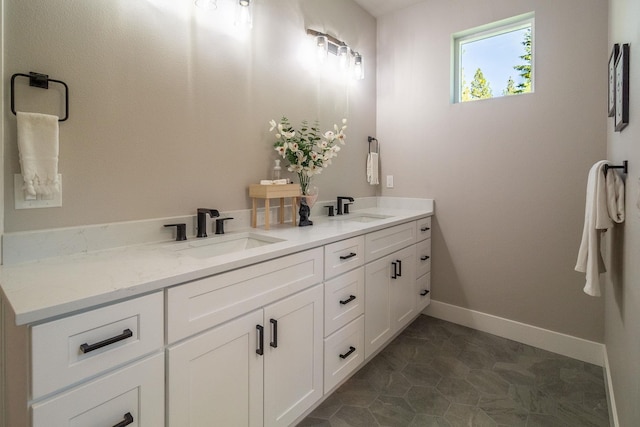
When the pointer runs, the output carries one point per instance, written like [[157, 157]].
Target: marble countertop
[[46, 288]]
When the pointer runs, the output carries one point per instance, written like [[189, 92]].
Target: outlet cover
[[22, 202], [389, 181]]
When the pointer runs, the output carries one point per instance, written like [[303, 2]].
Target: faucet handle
[[181, 231], [331, 209], [220, 224], [346, 207]]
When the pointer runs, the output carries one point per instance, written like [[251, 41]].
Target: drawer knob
[[128, 419], [86, 348], [348, 353], [424, 257], [424, 292], [351, 255], [423, 229], [348, 300]]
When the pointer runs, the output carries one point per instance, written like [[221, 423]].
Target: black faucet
[[339, 205], [202, 220]]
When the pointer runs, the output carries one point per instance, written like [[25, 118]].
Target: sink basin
[[221, 245], [359, 217]]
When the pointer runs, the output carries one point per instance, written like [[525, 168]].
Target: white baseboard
[[567, 345], [613, 410]]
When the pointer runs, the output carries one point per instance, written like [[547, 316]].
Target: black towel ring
[[41, 81]]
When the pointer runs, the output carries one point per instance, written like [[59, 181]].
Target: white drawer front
[[136, 390], [423, 290], [343, 300], [343, 353], [423, 228], [423, 254], [202, 304], [343, 256], [384, 242], [58, 358]]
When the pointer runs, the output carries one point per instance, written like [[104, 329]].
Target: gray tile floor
[[441, 374]]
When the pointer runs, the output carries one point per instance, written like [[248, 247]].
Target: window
[[494, 60]]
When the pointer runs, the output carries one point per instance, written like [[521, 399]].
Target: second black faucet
[[202, 220], [339, 210]]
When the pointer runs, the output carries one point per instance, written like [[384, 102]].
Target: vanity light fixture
[[207, 4], [244, 13], [348, 59]]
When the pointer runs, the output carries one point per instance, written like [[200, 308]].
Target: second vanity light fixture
[[348, 59], [244, 10]]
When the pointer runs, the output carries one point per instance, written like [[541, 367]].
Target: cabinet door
[[377, 305], [403, 297], [390, 301], [133, 395], [216, 378], [293, 356]]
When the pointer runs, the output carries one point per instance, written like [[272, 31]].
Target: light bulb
[[343, 57], [244, 14], [358, 68], [322, 48]]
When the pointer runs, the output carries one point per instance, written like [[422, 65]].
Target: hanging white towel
[[38, 147], [372, 169], [601, 206]]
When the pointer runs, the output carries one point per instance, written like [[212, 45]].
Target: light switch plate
[[389, 181], [22, 202]]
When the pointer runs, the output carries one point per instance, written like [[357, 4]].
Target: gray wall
[[509, 174], [170, 105], [622, 296]]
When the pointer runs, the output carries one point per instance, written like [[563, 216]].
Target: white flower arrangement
[[308, 151]]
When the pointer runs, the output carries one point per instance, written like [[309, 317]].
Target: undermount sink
[[360, 217], [221, 245]]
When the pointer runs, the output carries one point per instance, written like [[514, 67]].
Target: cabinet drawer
[[343, 256], [423, 290], [71, 349], [384, 242], [136, 390], [423, 254], [202, 304], [343, 300], [343, 353], [423, 228]]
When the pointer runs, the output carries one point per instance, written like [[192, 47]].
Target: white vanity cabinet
[[262, 368], [423, 262], [344, 310], [100, 367]]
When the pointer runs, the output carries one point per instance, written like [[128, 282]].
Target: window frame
[[515, 23]]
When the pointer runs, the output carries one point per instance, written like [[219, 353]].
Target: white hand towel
[[598, 218], [38, 147], [372, 169], [615, 196]]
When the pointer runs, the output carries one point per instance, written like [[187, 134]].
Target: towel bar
[[624, 167], [371, 139], [41, 81]]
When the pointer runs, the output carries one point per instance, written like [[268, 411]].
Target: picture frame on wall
[[621, 116], [612, 79]]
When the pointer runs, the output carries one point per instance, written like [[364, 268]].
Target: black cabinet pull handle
[[348, 300], [274, 333], [424, 292], [351, 255], [86, 348], [394, 273], [399, 268], [260, 349], [128, 419], [425, 229], [348, 353], [424, 257]]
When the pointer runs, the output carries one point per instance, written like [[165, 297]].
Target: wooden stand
[[267, 192]]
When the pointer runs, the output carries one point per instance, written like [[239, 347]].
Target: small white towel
[[372, 169], [38, 147], [604, 205]]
